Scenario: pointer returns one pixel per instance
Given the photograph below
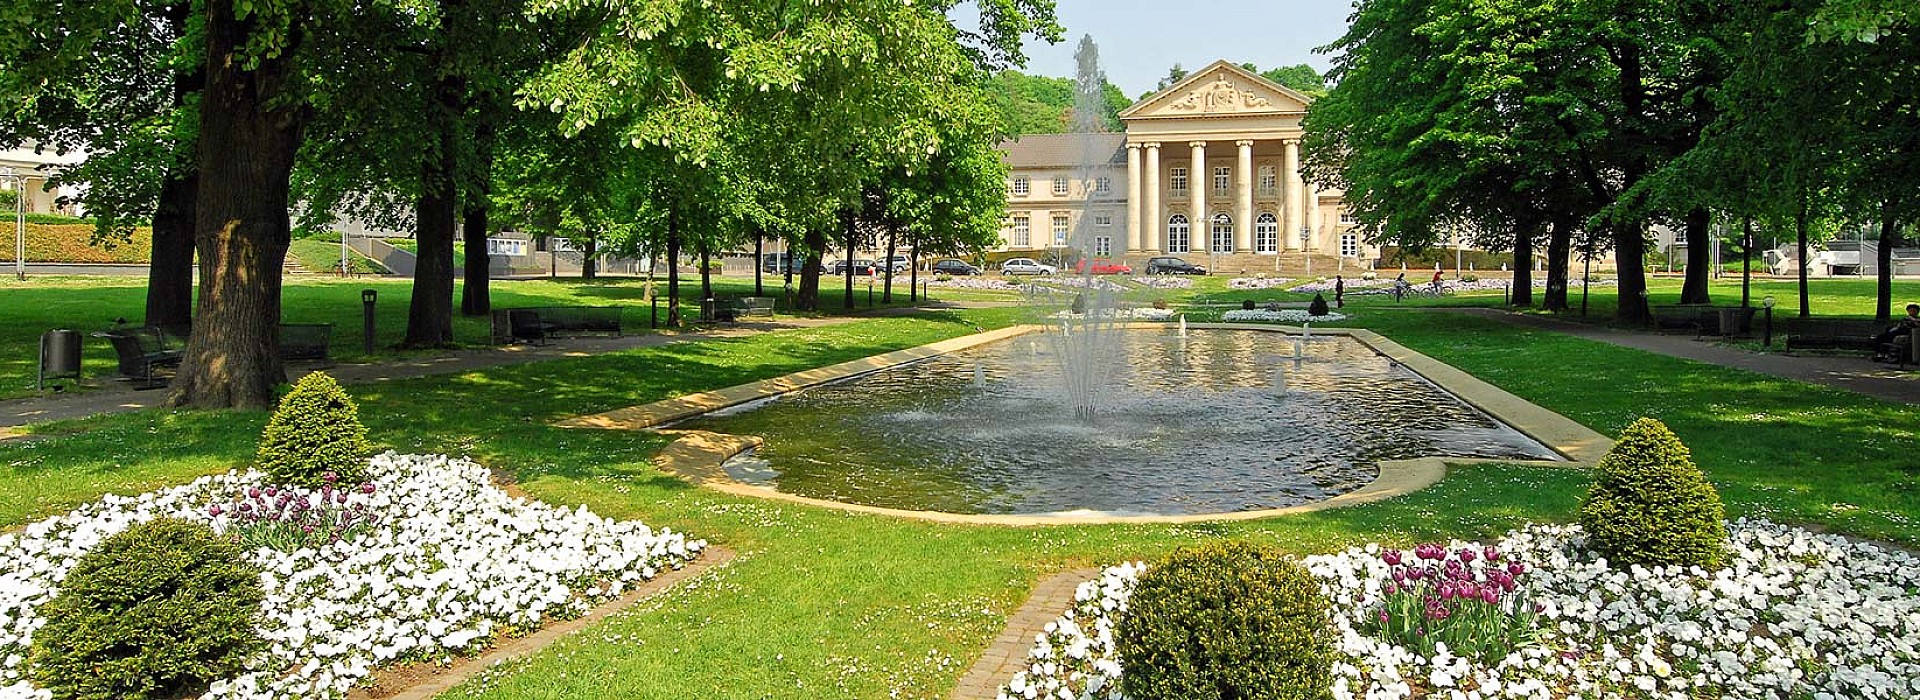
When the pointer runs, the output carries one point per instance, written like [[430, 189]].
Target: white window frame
[[1102, 246], [1269, 181], [1022, 236], [1060, 187], [1022, 186], [1347, 217], [1103, 219], [1266, 233], [1177, 181], [1220, 225], [1061, 227], [1349, 245], [1222, 179], [1179, 234], [1103, 185]]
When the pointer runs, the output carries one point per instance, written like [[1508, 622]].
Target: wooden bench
[[757, 307], [541, 322], [1687, 318], [1903, 351], [1832, 334]]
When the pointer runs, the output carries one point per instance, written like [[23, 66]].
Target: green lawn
[[828, 603]]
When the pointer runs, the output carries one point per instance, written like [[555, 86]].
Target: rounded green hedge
[[316, 430], [1651, 506], [1226, 621], [160, 610]]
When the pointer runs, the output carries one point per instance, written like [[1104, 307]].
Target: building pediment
[[1221, 89]]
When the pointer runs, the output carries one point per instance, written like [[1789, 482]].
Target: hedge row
[[70, 243]]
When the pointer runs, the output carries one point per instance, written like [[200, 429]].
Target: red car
[[1102, 267]]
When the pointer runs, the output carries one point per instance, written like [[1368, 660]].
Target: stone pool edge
[[697, 456]]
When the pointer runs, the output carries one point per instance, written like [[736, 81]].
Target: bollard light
[[1767, 339], [367, 299]]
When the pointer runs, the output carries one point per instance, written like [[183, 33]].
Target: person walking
[[1399, 287], [1339, 291]]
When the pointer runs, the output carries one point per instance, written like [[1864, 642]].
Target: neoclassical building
[[1208, 168]]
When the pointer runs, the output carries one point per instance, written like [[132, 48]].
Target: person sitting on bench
[[1887, 344]]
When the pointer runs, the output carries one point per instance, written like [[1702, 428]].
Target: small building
[[31, 166]]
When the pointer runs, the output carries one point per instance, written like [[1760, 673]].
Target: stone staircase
[[1292, 264]]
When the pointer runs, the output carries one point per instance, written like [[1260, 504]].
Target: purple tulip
[[1516, 568], [1490, 595], [253, 492], [215, 510], [329, 477], [272, 491], [1491, 553], [1392, 557], [1383, 616], [1466, 556], [366, 487]]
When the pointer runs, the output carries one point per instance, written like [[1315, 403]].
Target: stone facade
[[1209, 167]]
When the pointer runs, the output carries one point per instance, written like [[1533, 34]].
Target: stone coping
[[697, 456]]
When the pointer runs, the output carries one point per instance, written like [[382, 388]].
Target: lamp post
[[1767, 339], [19, 221], [1305, 234]]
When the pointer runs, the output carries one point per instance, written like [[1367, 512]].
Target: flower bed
[[1326, 286], [1081, 283], [1162, 282], [1145, 313], [989, 284], [1792, 615], [1258, 282], [1278, 316], [434, 561]]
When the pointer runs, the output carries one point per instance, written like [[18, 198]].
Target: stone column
[[1197, 182], [1151, 207], [1290, 228], [1243, 212], [1315, 222], [1133, 198]]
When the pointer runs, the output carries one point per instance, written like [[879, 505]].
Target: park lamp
[[1767, 339], [1767, 301]]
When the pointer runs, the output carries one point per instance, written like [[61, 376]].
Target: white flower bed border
[[1163, 282], [1249, 283], [453, 563], [1278, 316], [1792, 615]]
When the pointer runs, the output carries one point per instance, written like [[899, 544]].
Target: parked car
[[860, 267], [1104, 267], [777, 263], [1026, 266], [955, 266], [900, 264], [1168, 265]]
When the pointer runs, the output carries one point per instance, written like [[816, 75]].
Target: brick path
[[1008, 653]]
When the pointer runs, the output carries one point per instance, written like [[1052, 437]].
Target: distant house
[[37, 168]]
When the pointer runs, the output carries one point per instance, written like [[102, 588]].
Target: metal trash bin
[[59, 356]]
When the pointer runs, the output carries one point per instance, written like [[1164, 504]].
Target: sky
[[1140, 39]]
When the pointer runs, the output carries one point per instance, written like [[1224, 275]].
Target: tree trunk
[[1800, 231], [706, 270], [886, 295], [1559, 262], [760, 260], [673, 266], [476, 296], [913, 274], [1746, 262], [590, 259], [1883, 288], [248, 138], [848, 225], [809, 296], [1522, 286], [430, 315], [1699, 233], [170, 269], [1630, 263]]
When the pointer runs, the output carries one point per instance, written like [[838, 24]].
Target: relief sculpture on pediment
[[1220, 96]]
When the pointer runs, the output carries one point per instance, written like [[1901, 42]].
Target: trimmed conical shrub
[[1318, 307], [160, 610], [315, 431], [1226, 621], [1651, 506]]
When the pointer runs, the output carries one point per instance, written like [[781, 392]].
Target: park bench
[[144, 351], [539, 323], [1682, 317], [1832, 334], [757, 307], [307, 342]]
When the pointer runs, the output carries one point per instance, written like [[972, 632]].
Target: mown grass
[[824, 603]]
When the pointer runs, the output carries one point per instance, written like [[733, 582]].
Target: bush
[[1226, 620], [316, 430], [1651, 506], [158, 611], [1318, 307]]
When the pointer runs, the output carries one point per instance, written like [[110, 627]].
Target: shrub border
[[697, 456]]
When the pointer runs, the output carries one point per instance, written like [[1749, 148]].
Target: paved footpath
[[1008, 653], [117, 397], [1856, 374]]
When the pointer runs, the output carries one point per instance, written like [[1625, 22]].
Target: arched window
[[1178, 238], [1222, 233], [1266, 233]]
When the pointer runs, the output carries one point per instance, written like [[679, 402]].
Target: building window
[[1222, 180], [1222, 233], [1269, 184], [1103, 185], [1347, 217], [1177, 181], [1022, 232], [1177, 234], [1059, 187], [1102, 246], [1349, 245], [1021, 186], [1059, 229], [1102, 219], [1266, 233]]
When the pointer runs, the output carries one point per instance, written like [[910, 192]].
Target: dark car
[[953, 266], [860, 267], [1173, 266]]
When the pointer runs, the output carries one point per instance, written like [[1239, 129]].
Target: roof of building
[[1066, 150]]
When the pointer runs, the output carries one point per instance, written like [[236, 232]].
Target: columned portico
[[1133, 197], [1243, 214], [1290, 232], [1197, 184], [1152, 215]]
